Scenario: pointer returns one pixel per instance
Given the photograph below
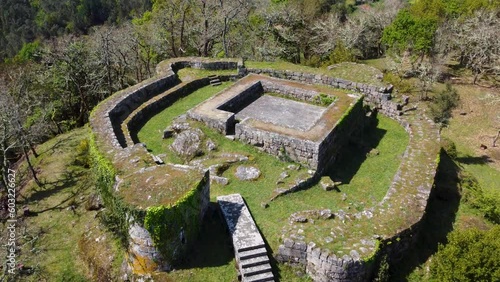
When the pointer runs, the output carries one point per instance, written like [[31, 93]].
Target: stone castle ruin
[[307, 133], [161, 205]]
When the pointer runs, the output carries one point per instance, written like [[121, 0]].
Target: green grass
[[48, 241], [190, 73], [349, 71], [152, 131], [366, 180]]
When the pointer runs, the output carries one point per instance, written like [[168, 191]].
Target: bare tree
[[475, 39]]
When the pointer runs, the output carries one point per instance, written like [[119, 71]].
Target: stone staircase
[[214, 80], [249, 247]]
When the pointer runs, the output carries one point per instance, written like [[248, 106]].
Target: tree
[[469, 255], [410, 32], [476, 40], [443, 103]]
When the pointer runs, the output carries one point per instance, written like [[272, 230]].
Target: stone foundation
[[315, 147]]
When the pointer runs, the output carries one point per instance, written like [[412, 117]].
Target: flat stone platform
[[282, 112], [249, 247]]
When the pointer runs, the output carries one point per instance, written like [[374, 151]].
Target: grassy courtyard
[[365, 182]]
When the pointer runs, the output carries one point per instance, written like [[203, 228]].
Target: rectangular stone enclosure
[[306, 133], [282, 112]]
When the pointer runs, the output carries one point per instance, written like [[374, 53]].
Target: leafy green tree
[[410, 32], [443, 103], [470, 255]]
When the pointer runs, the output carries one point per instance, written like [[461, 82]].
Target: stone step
[[216, 83], [212, 76], [252, 253], [256, 270], [264, 277], [215, 80], [254, 261], [251, 247]]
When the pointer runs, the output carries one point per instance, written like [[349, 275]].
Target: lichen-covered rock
[[219, 180], [247, 173], [93, 203], [327, 183], [211, 146], [187, 143]]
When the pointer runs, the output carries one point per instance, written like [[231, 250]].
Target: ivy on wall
[[173, 227], [116, 215]]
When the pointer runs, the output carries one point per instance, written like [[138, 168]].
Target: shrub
[[486, 201], [450, 147], [82, 154], [443, 103], [470, 255], [340, 54], [324, 99], [401, 85]]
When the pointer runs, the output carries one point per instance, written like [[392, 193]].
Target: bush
[[443, 103], [449, 147], [82, 154], [470, 255], [324, 99], [340, 54], [486, 201], [401, 85]]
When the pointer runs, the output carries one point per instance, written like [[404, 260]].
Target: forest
[[61, 58]]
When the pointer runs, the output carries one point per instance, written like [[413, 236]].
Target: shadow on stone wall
[[213, 246], [437, 222], [355, 153]]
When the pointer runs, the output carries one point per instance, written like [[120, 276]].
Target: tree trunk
[[494, 144], [205, 32], [224, 40], [31, 168]]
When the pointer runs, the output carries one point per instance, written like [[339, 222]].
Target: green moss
[[167, 223]]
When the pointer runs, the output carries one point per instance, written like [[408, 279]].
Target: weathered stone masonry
[[316, 147], [134, 105], [321, 264]]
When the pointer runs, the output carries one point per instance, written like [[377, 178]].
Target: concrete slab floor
[[283, 112]]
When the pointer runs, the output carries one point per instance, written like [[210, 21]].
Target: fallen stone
[[210, 145], [284, 175], [344, 196], [293, 167], [178, 127], [219, 180], [373, 152], [327, 183], [168, 132], [247, 173], [94, 202], [187, 143]]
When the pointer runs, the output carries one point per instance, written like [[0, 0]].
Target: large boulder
[[247, 172], [187, 143]]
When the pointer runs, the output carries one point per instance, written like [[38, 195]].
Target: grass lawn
[[48, 239], [152, 131], [478, 126], [366, 180], [349, 71]]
